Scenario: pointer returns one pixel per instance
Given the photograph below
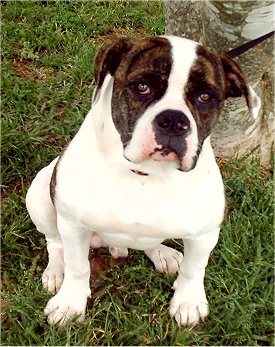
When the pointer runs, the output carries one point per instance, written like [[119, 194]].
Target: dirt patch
[[3, 307], [4, 315], [26, 69], [13, 186], [223, 164], [102, 261], [113, 34], [267, 172]]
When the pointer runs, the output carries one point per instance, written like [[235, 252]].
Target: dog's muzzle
[[168, 136], [171, 127]]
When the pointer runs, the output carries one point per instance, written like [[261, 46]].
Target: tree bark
[[223, 25]]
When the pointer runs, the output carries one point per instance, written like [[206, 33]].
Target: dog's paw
[[65, 305], [189, 309], [165, 259], [118, 252], [53, 275]]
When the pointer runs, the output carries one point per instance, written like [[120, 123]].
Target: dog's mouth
[[159, 154], [164, 154], [140, 173], [177, 155]]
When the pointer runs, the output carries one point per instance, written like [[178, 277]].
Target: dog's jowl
[[140, 170]]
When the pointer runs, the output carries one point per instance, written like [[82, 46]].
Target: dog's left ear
[[236, 85]]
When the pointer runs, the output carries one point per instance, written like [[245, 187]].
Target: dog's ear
[[109, 58], [236, 85]]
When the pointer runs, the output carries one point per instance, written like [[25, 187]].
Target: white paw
[[189, 308], [118, 252], [53, 275], [66, 304], [165, 259]]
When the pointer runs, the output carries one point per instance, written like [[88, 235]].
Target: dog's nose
[[172, 123]]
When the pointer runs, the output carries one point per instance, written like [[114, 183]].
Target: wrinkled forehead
[[184, 56], [193, 64], [178, 61], [148, 56]]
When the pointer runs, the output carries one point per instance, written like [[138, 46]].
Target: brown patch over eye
[[140, 79]]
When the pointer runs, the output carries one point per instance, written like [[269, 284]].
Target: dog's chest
[[133, 211]]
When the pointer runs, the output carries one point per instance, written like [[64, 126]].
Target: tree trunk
[[223, 25]]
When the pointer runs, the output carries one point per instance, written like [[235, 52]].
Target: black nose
[[172, 123]]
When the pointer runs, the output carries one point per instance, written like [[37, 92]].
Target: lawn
[[47, 82]]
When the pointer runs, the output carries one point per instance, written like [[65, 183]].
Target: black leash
[[233, 53]]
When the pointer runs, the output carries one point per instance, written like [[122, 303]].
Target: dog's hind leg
[[43, 215], [165, 259]]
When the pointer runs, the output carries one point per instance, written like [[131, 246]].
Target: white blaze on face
[[143, 144]]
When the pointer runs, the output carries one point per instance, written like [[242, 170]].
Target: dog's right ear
[[236, 85], [109, 58]]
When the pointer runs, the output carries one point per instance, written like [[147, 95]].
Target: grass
[[47, 82]]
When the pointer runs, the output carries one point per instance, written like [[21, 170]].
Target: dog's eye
[[143, 89], [204, 98]]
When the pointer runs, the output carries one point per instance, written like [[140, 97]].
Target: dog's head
[[167, 94]]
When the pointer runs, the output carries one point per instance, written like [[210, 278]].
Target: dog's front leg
[[189, 303], [71, 299]]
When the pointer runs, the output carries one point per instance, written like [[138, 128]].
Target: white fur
[[98, 195]]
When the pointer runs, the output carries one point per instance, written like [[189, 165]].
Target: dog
[[139, 171]]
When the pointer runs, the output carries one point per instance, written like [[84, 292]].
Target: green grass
[[47, 81]]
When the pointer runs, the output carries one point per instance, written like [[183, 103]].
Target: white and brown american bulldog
[[140, 170]]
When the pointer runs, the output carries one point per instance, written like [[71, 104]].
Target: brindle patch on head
[[206, 78], [147, 63]]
